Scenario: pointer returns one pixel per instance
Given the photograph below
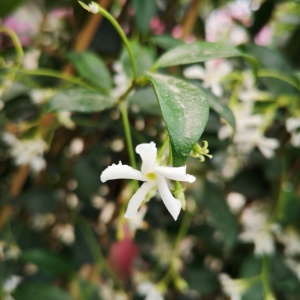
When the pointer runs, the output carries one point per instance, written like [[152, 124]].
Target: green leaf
[[221, 108], [16, 90], [223, 220], [166, 41], [195, 275], [47, 262], [7, 6], [144, 59], [145, 100], [274, 64], [37, 290], [185, 111], [144, 11], [196, 52], [39, 200], [92, 68], [80, 100]]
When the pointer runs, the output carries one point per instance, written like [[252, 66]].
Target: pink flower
[[22, 28], [177, 33], [157, 26], [221, 24], [61, 12], [264, 37]]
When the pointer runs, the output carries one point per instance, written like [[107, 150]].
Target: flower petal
[[194, 72], [121, 172], [216, 88], [137, 199], [148, 154], [172, 204], [267, 146], [174, 173]]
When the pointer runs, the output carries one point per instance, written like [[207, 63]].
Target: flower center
[[151, 176]]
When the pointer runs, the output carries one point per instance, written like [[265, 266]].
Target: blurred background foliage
[[62, 232]]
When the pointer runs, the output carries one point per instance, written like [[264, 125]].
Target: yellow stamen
[[151, 176]]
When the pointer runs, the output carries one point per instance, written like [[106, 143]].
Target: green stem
[[16, 42], [172, 272], [123, 109], [280, 76], [95, 249], [120, 31], [163, 147], [280, 205], [268, 293], [56, 74]]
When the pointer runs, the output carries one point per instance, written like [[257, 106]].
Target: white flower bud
[[94, 9]]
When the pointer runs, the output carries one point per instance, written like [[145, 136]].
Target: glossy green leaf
[[221, 108], [80, 100], [196, 52], [47, 262], [184, 109], [37, 290], [92, 68]]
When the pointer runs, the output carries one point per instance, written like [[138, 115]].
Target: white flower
[[137, 222], [294, 265], [291, 240], [212, 75], [249, 133], [65, 119], [235, 202], [76, 147], [11, 283], [293, 127], [31, 59], [292, 124], [258, 229], [40, 96], [41, 221], [249, 92], [120, 79], [234, 288], [248, 139], [152, 175], [65, 233], [149, 290], [29, 151]]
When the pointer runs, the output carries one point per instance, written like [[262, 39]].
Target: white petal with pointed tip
[[172, 204], [148, 154], [137, 199], [121, 172], [174, 173]]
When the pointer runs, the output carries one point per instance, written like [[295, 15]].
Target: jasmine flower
[[153, 176]]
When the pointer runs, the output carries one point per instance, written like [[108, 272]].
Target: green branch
[[120, 31]]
